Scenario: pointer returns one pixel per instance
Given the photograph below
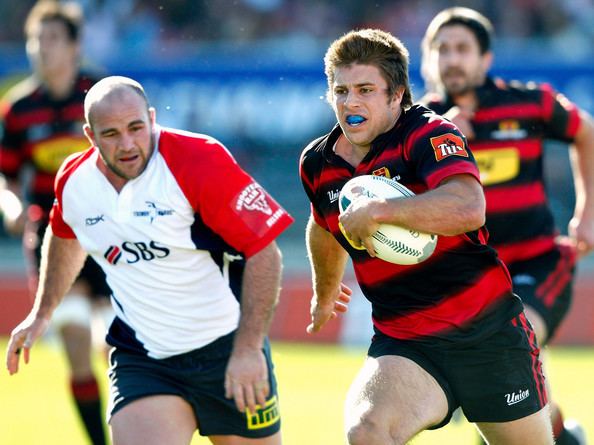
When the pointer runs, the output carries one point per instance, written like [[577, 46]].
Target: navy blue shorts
[[498, 379], [198, 377], [545, 283]]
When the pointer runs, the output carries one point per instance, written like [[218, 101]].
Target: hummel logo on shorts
[[514, 397]]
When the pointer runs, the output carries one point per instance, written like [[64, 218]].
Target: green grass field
[[313, 379]]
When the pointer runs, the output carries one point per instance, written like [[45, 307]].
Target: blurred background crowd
[[250, 72], [151, 23]]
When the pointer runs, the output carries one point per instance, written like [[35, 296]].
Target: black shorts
[[91, 272], [545, 283], [198, 377], [498, 379]]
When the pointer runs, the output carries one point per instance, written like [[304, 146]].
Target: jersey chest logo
[[133, 252], [498, 165], [153, 212]]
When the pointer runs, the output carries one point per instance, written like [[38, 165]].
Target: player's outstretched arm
[[581, 226], [328, 260], [246, 379], [61, 261]]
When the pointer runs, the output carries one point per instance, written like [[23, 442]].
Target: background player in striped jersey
[[187, 240], [449, 331], [506, 124], [42, 120]]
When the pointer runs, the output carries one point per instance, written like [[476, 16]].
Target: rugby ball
[[392, 243]]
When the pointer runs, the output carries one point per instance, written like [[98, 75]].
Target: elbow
[[476, 220], [470, 217], [475, 215]]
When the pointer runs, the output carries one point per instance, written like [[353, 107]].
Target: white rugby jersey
[[167, 239]]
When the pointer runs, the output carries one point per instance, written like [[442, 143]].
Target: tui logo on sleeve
[[447, 145]]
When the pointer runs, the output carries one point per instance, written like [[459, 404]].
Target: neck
[[60, 84], [115, 180], [351, 153], [466, 101]]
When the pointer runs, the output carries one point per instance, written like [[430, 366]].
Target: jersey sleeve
[[439, 150], [560, 115], [11, 143], [59, 226], [307, 175], [228, 200]]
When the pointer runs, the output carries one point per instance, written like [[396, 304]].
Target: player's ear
[[89, 133], [152, 115], [487, 61], [397, 96]]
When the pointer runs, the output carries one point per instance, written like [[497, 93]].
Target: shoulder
[[420, 117], [194, 157], [86, 79], [522, 90], [312, 160], [175, 143], [20, 95], [314, 150], [433, 101], [71, 164]]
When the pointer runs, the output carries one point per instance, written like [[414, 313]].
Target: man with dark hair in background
[[506, 124], [42, 119]]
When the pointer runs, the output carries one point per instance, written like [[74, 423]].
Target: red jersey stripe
[[525, 249], [552, 287], [526, 111], [536, 363], [505, 199], [450, 314]]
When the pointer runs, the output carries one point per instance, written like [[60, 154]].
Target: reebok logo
[[514, 397]]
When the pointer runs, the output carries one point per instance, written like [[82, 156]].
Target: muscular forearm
[[61, 261], [328, 260], [261, 287], [583, 167], [455, 207]]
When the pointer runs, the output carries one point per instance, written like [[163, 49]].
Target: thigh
[[217, 414], [499, 379], [275, 439], [154, 420], [534, 429], [545, 285], [395, 395]]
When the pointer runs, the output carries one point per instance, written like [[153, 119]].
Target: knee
[[368, 432]]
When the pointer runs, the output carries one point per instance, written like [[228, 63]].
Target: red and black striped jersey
[[463, 281], [39, 132], [511, 123]]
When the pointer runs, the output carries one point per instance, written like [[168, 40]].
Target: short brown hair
[[69, 13], [371, 47], [474, 21]]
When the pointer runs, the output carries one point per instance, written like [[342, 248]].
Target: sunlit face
[[122, 129], [456, 54], [50, 49], [360, 100]]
